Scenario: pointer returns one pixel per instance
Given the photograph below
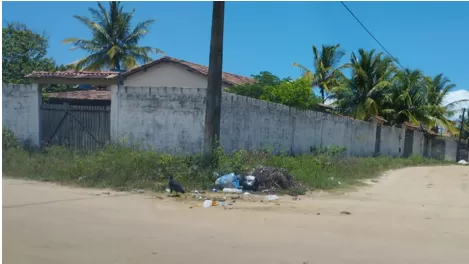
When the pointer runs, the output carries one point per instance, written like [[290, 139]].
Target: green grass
[[125, 169]]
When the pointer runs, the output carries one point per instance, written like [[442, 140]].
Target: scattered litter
[[345, 213], [221, 203], [140, 191], [197, 195], [247, 193], [228, 181], [273, 178], [271, 197], [250, 182], [331, 178], [214, 190], [463, 162], [232, 190], [81, 178], [214, 203], [207, 203], [168, 190], [339, 182]]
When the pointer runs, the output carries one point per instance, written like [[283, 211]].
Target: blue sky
[[431, 36]]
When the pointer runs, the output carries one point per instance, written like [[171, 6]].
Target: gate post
[[37, 119], [115, 104]]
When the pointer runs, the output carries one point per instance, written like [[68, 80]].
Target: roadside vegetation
[[124, 168]]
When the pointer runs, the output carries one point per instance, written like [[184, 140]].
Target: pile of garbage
[[267, 179]]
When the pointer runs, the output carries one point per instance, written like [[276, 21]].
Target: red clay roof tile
[[227, 78]]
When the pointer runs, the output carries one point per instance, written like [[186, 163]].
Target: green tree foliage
[[363, 95], [23, 51], [297, 93], [256, 89], [327, 70], [114, 43]]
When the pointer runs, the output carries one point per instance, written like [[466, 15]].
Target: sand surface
[[413, 215]]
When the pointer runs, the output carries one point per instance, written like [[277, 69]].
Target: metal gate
[[76, 126]]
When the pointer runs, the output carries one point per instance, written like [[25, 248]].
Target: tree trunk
[[213, 105]]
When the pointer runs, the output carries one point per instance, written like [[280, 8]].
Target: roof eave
[[72, 81]]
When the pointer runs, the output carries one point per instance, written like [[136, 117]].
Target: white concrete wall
[[167, 75], [392, 141], [451, 148], [172, 120], [21, 111], [418, 143], [169, 120]]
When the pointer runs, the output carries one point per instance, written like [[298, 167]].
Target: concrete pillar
[[116, 91], [22, 112]]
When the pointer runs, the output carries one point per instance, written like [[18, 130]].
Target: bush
[[8, 139], [128, 168]]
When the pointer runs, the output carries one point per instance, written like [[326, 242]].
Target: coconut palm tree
[[363, 95], [407, 99], [326, 68], [437, 89], [114, 43]]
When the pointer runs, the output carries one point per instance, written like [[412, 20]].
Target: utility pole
[[213, 105], [461, 131]]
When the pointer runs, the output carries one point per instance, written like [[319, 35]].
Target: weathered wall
[[418, 143], [392, 141], [165, 119], [172, 120], [21, 111], [451, 149], [167, 75]]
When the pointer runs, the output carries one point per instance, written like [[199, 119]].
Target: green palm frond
[[114, 43]]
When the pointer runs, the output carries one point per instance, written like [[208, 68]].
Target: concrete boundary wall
[[21, 111], [171, 120]]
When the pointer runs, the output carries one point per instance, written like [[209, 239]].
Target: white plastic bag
[[207, 203], [271, 197]]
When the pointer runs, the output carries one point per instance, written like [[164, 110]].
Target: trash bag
[[227, 181], [250, 182]]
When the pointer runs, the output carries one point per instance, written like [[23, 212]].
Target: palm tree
[[407, 99], [114, 43], [326, 69], [363, 95], [437, 89]]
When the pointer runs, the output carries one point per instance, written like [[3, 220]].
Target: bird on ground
[[174, 186]]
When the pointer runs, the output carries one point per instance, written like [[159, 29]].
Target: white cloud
[[455, 96]]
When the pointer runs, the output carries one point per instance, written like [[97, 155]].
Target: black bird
[[174, 186]]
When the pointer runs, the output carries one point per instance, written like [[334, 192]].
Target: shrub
[[128, 168]]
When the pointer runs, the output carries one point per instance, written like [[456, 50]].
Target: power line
[[358, 20]]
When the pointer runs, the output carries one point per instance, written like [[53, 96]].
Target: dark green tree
[[256, 89], [24, 51], [297, 93]]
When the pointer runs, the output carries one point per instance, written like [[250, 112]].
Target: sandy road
[[414, 215]]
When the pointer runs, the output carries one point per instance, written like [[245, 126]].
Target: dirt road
[[414, 215]]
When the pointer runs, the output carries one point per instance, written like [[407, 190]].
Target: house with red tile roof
[[164, 72]]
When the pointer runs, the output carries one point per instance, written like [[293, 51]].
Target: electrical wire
[[358, 20]]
